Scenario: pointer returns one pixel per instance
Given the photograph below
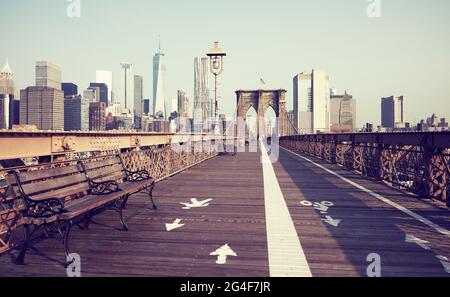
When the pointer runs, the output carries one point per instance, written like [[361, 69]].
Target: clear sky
[[404, 52]]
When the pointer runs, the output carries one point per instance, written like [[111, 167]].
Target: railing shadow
[[366, 226]]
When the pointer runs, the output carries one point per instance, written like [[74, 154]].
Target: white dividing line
[[286, 256], [425, 221]]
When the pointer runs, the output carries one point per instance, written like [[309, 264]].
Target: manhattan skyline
[[404, 52]]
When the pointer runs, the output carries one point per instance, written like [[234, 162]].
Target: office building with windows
[[312, 102], [146, 107], [97, 116], [342, 113], [92, 94], [103, 95], [392, 113], [76, 114], [48, 75], [106, 77], [138, 101], [9, 106], [42, 107], [183, 104], [203, 105], [69, 89]]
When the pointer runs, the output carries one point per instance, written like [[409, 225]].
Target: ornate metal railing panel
[[416, 162], [161, 161]]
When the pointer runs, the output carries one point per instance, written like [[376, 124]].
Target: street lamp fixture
[[216, 56]]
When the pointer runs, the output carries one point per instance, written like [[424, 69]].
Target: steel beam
[[16, 145]]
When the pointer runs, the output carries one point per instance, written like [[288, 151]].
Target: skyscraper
[[43, 104], [392, 111], [92, 94], [127, 93], [76, 113], [42, 107], [97, 116], [104, 93], [203, 105], [146, 107], [48, 75], [7, 80], [159, 84], [9, 115], [106, 77], [5, 111], [343, 112], [69, 89], [312, 102], [76, 109], [183, 104], [138, 101]]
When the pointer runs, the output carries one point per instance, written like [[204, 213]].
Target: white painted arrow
[[418, 241], [331, 221], [445, 263], [176, 224], [195, 203], [222, 253]]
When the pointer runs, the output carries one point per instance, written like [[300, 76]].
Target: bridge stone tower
[[261, 100]]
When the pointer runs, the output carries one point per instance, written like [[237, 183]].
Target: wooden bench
[[56, 199], [104, 175]]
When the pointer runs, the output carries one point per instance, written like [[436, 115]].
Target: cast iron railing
[[417, 162]]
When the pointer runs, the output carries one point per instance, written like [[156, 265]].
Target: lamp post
[[216, 56]]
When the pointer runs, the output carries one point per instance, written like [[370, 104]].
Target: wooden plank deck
[[236, 216], [367, 225]]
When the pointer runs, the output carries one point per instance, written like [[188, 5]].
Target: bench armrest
[[104, 188], [45, 208], [135, 176]]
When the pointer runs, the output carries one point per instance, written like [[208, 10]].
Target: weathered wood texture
[[160, 162], [236, 216], [367, 225]]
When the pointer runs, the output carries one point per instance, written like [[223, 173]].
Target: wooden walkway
[[367, 225], [236, 216]]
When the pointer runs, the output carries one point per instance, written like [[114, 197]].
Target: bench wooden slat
[[35, 175], [54, 183], [117, 177], [105, 171], [102, 163], [79, 207], [62, 193], [136, 186]]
